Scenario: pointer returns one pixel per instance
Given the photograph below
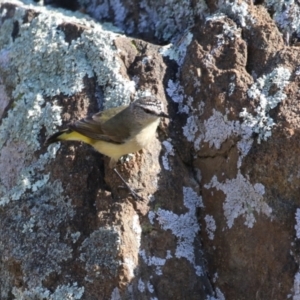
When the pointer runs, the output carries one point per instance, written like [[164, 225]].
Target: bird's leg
[[133, 193]]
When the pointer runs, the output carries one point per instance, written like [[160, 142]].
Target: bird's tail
[[67, 135], [54, 137]]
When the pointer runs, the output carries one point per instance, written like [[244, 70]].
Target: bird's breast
[[136, 142], [144, 136]]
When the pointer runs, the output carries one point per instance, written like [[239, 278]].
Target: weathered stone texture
[[220, 217]]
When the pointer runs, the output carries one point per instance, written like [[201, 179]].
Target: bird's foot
[[134, 194]]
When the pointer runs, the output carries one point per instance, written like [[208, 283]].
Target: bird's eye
[[148, 111]]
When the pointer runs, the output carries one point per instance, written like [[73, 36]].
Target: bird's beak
[[164, 115]]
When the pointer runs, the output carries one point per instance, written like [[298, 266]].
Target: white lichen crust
[[261, 123], [184, 226], [66, 292], [53, 67], [164, 19], [241, 199]]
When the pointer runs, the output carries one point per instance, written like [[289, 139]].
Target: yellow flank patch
[[75, 136]]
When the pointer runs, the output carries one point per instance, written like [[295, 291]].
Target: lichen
[[169, 151], [296, 287], [29, 221], [210, 226], [215, 131], [34, 208], [99, 252], [151, 216], [176, 93], [297, 226], [75, 236], [141, 285], [218, 129], [54, 67], [286, 15], [4, 98], [177, 51], [261, 123], [238, 11], [165, 20], [241, 199], [184, 227], [66, 292], [150, 287], [219, 295], [136, 229], [155, 261], [193, 130], [115, 295]]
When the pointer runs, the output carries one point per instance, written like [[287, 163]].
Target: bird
[[116, 131]]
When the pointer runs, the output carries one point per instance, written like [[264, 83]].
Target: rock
[[220, 217]]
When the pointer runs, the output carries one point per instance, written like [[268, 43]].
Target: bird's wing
[[107, 114], [96, 127]]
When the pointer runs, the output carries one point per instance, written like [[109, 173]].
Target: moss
[[147, 228]]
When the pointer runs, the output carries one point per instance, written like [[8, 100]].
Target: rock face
[[220, 217]]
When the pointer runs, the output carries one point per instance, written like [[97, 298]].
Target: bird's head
[[149, 108]]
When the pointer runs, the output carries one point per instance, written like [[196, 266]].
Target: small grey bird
[[117, 131]]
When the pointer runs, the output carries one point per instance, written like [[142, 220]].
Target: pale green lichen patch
[[177, 51], [44, 65], [62, 292], [100, 253], [261, 123], [238, 11], [35, 222], [286, 15]]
